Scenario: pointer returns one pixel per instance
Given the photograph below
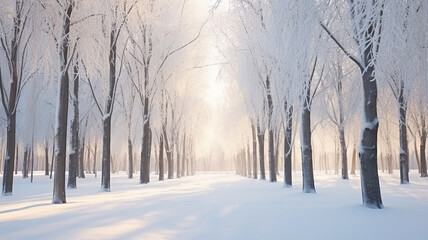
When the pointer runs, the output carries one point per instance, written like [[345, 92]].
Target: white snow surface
[[215, 205]]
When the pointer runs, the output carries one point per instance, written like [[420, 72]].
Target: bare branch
[[349, 55], [84, 18], [183, 46], [3, 94], [92, 88]]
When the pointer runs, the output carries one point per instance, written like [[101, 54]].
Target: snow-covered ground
[[215, 206]]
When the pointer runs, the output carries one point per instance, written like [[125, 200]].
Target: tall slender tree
[[15, 39], [366, 18], [74, 129], [59, 195]]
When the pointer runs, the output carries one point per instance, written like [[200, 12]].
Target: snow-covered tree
[[366, 20], [16, 34]]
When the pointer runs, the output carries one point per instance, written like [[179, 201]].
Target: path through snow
[[214, 206]]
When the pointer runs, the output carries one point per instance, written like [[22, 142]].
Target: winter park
[[213, 119]]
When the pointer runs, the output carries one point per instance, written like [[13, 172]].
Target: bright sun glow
[[215, 90]]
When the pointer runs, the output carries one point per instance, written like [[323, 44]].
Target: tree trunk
[[243, 161], [288, 145], [17, 159], [145, 150], [46, 159], [161, 168], [32, 161], [343, 153], [422, 148], [156, 161], [341, 130], [418, 161], [88, 159], [25, 163], [389, 162], [62, 111], [53, 158], [113, 163], [306, 144], [95, 160], [74, 151], [354, 162], [108, 111], [365, 35], [183, 161], [277, 143], [261, 140], [192, 161], [253, 131], [168, 154], [272, 169], [130, 160], [177, 149], [248, 161], [368, 146], [404, 149], [81, 159], [271, 148], [106, 158]]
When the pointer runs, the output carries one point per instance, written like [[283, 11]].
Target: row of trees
[[119, 52], [293, 61], [294, 57]]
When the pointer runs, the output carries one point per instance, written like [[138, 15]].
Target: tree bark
[[354, 162], [74, 151], [368, 146], [168, 148], [277, 143], [177, 149], [404, 149], [32, 161], [145, 150], [248, 161], [253, 131], [17, 160], [343, 154], [288, 146], [53, 158], [46, 159], [62, 111], [306, 145], [81, 167], [341, 130], [130, 160], [95, 160], [192, 158], [261, 141], [243, 162], [25, 163], [161, 168], [106, 158], [418, 161], [272, 169], [88, 159], [422, 147], [183, 161]]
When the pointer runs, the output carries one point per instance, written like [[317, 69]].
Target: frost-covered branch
[[349, 55]]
